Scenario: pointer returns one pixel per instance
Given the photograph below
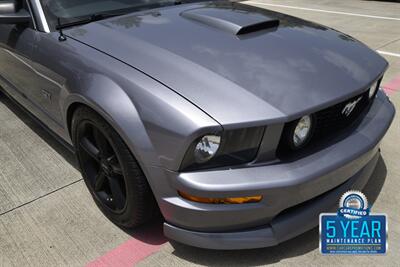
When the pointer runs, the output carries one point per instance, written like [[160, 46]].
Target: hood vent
[[233, 21], [268, 24]]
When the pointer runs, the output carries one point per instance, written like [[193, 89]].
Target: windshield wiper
[[86, 20], [103, 15], [108, 14]]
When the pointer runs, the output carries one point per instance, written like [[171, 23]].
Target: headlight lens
[[231, 147], [206, 148], [373, 89], [302, 131]]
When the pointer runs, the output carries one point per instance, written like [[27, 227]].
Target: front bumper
[[295, 193], [295, 221]]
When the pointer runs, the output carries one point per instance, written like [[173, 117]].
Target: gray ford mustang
[[239, 124]]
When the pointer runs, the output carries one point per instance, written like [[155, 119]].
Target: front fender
[[111, 102], [156, 123]]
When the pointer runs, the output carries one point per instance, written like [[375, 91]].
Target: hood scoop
[[235, 21]]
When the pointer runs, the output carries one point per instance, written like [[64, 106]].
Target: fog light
[[206, 148], [373, 89], [302, 131], [228, 200]]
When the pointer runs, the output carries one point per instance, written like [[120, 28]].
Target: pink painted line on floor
[[393, 86], [144, 243]]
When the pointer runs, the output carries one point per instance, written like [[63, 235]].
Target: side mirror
[[10, 15]]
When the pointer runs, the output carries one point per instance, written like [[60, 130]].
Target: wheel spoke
[[116, 191], [90, 148], [99, 182], [101, 142], [115, 166], [116, 169]]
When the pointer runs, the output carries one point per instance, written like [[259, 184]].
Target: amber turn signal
[[228, 200]]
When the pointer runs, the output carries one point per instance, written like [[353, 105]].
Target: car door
[[16, 46], [24, 74]]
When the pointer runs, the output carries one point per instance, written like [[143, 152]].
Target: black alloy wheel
[[102, 167], [110, 171]]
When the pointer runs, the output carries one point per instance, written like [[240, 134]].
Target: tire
[[139, 206]]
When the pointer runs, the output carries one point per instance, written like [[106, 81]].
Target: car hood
[[238, 63]]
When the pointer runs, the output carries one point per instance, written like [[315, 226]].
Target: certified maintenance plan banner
[[353, 229]]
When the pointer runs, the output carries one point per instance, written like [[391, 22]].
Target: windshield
[[72, 10]]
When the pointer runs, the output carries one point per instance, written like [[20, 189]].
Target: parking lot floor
[[47, 217]]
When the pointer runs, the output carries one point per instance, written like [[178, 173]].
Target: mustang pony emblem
[[348, 109]]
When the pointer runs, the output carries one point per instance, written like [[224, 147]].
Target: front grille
[[334, 118], [327, 122]]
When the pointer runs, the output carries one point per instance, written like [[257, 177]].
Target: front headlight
[[206, 148], [297, 133], [302, 131], [231, 147]]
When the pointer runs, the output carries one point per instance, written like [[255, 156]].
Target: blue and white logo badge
[[353, 229], [353, 205]]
